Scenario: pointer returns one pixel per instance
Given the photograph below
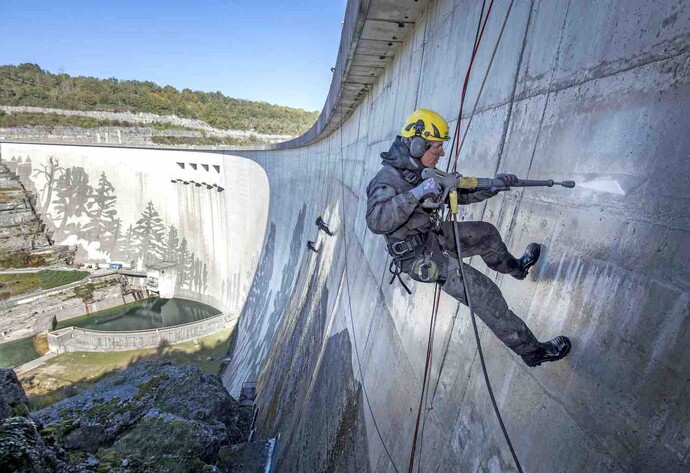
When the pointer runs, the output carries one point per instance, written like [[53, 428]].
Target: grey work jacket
[[391, 209]]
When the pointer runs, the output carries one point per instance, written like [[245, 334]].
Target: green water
[[140, 315], [145, 314], [17, 352]]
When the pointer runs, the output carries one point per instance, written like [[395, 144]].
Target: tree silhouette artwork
[[184, 262], [115, 241], [72, 194], [149, 231], [129, 244], [101, 209], [50, 173], [171, 243]]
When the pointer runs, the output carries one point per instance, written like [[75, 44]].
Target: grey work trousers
[[482, 239]]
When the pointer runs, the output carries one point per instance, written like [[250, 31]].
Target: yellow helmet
[[429, 125]]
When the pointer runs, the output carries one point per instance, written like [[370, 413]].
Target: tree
[[150, 232], [116, 233], [130, 242], [73, 191]]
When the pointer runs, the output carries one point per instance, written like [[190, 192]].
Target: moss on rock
[[177, 445]]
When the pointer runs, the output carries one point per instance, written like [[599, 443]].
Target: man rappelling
[[424, 247]]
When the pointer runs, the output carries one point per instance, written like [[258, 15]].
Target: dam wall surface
[[199, 215], [597, 92], [593, 91]]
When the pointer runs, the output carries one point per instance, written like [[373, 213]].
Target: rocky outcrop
[[13, 400], [23, 240], [21, 446], [152, 417]]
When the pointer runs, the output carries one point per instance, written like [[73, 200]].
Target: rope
[[446, 343], [479, 347], [481, 89], [429, 351], [477, 41], [478, 38]]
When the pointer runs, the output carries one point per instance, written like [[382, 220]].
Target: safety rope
[[437, 290], [429, 351], [481, 25], [457, 149], [479, 346], [458, 123]]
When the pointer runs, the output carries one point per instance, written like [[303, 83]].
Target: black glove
[[508, 179]]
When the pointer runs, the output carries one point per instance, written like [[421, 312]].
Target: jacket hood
[[398, 156]]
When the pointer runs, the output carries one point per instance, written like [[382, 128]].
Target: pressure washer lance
[[452, 183]]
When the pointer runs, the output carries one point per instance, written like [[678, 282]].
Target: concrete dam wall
[[204, 214], [593, 91]]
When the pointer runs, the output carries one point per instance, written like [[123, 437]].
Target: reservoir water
[[145, 314]]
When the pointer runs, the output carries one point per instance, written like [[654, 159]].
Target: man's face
[[433, 154]]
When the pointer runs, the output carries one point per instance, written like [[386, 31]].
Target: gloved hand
[[486, 193], [428, 188], [508, 179]]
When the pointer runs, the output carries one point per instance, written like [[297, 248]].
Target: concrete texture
[[592, 91]]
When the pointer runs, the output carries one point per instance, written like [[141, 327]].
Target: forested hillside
[[29, 85]]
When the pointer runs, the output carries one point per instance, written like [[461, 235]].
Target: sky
[[274, 51]]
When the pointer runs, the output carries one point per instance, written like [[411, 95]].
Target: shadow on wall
[[253, 315], [327, 411]]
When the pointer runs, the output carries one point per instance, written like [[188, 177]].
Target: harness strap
[[404, 250], [395, 269]]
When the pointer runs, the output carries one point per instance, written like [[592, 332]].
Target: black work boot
[[552, 350], [529, 259]]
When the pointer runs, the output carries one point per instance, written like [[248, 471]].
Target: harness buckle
[[401, 247]]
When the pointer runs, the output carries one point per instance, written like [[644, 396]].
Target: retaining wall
[[78, 339]]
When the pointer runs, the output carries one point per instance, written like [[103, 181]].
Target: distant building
[[161, 279]]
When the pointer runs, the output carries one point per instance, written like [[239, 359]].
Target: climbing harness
[[401, 252]]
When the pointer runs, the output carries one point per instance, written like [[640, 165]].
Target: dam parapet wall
[[86, 340]]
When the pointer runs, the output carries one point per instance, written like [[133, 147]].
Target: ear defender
[[418, 146]]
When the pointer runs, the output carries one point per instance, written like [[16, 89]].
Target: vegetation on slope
[[22, 283], [29, 85], [10, 120]]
